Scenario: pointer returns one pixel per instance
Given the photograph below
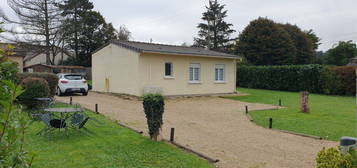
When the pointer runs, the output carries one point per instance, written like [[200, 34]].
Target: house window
[[219, 73], [168, 69], [194, 72]]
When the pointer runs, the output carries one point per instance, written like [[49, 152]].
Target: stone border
[[250, 118]]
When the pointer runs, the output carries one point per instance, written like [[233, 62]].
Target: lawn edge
[[177, 145], [250, 118]]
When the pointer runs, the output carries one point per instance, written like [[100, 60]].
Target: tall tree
[[341, 53], [73, 10], [314, 38], [93, 33], [263, 42], [38, 22], [215, 32], [303, 44]]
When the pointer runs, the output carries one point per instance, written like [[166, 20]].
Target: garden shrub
[[333, 158], [51, 79], [154, 109], [311, 78], [347, 79], [34, 88]]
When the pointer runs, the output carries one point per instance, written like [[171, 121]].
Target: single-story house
[[27, 55], [136, 68]]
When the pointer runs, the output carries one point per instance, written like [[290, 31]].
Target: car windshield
[[73, 77]]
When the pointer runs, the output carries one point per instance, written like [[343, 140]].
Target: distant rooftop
[[142, 47]]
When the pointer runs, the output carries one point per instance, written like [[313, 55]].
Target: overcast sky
[[175, 21]]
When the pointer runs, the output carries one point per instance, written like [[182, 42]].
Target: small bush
[[154, 109], [34, 88], [333, 158], [51, 79]]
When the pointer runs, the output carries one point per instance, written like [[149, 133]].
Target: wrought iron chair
[[79, 120]]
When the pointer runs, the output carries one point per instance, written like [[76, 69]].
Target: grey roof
[[142, 47]]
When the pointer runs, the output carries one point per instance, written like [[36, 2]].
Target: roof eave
[[196, 55]]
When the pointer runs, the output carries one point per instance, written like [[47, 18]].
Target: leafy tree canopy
[[265, 42], [341, 53]]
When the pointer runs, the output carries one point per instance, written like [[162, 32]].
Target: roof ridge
[[170, 45]]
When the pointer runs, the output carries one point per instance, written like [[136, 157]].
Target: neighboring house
[[17, 54], [55, 69], [40, 58], [136, 68], [27, 55]]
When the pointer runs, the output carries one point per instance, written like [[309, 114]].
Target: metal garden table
[[65, 113]]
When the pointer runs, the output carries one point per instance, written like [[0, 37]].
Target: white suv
[[71, 83]]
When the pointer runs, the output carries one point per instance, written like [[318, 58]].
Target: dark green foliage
[[312, 78], [341, 54], [263, 42], [86, 30], [34, 88], [313, 37], [51, 79], [214, 33], [154, 110], [303, 44], [285, 77]]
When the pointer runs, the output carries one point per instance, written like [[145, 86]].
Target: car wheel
[[85, 93], [59, 93]]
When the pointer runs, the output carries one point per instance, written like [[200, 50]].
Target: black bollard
[[172, 135], [96, 108], [270, 123]]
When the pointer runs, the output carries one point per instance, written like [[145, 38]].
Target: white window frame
[[172, 70], [220, 77], [196, 73]]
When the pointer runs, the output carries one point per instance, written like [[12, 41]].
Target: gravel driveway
[[218, 128]]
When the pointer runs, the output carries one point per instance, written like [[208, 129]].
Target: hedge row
[[312, 78], [51, 79]]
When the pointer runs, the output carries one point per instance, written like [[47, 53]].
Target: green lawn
[[105, 145], [330, 116]]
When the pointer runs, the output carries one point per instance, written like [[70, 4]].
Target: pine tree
[[215, 33], [73, 10]]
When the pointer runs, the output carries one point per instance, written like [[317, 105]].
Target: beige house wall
[[19, 61], [152, 69], [115, 69], [41, 59]]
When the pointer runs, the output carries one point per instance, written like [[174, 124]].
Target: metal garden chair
[[79, 120]]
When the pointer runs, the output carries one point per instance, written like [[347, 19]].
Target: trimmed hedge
[[312, 78], [154, 109], [51, 79], [34, 88]]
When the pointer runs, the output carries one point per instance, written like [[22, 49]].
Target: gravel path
[[218, 128]]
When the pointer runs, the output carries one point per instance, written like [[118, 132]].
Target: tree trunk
[[76, 30], [47, 35], [305, 102], [157, 136]]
